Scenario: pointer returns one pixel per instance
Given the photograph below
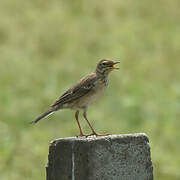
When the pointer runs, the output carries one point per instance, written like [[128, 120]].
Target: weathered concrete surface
[[114, 157]]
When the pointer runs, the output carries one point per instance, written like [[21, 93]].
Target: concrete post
[[113, 157]]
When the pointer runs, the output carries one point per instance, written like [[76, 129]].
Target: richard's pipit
[[84, 93]]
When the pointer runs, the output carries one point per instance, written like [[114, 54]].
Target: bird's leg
[[76, 115], [93, 131]]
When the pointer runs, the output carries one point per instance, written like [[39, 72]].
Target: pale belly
[[90, 98], [93, 97]]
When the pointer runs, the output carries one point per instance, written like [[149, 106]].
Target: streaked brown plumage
[[84, 93]]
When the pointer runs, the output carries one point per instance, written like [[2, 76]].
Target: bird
[[85, 92]]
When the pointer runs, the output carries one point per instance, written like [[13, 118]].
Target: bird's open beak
[[113, 67]]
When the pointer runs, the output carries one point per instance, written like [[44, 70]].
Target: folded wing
[[77, 91]]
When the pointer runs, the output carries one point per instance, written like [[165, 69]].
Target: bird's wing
[[77, 91]]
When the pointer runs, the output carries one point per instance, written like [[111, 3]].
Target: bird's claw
[[92, 134], [95, 134], [82, 135]]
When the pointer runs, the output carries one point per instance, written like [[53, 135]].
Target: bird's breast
[[96, 92], [92, 96]]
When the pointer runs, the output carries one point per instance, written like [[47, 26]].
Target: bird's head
[[105, 66]]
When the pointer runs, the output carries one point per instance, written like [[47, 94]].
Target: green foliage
[[46, 46]]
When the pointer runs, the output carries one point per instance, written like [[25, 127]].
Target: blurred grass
[[46, 46]]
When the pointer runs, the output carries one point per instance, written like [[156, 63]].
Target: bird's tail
[[46, 114]]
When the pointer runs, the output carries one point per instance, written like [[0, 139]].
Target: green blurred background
[[46, 46]]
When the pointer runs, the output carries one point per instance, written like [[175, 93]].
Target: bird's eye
[[103, 64]]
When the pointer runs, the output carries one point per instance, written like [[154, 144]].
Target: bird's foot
[[82, 135], [92, 134], [96, 134]]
